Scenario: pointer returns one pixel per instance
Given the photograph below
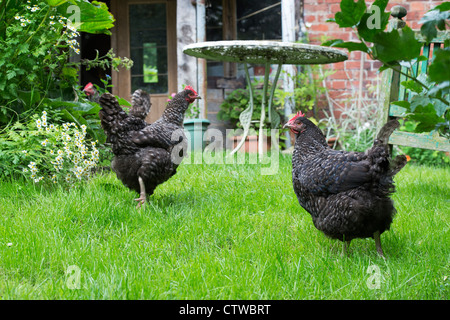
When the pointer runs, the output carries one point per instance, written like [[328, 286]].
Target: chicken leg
[[346, 246], [376, 237], [142, 198]]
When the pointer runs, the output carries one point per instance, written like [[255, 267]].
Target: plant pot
[[251, 143], [331, 141], [195, 130]]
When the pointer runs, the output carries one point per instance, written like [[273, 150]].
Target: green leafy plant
[[237, 101], [308, 87], [355, 127], [47, 152], [36, 40], [400, 49]]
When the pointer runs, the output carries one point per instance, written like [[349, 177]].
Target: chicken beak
[[288, 125]]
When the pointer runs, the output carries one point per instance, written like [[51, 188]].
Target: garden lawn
[[216, 232]]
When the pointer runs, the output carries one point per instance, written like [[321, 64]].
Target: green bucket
[[195, 130]]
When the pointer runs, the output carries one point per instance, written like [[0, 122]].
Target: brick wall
[[343, 86]]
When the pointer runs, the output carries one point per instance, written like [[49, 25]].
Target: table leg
[[263, 109], [246, 116]]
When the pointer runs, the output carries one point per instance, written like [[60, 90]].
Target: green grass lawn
[[216, 232]]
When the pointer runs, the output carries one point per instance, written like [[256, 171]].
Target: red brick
[[319, 27], [310, 18], [417, 6], [351, 64], [339, 74], [339, 84]]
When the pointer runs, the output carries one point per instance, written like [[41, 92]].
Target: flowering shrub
[[37, 37], [51, 153], [32, 52]]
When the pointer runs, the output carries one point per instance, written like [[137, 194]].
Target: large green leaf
[[427, 118], [440, 67], [431, 20], [351, 13], [350, 46], [55, 3], [94, 17], [397, 45]]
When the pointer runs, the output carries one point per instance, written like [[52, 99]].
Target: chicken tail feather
[[397, 164], [141, 104], [386, 131], [110, 113]]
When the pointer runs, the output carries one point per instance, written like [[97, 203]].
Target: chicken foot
[[141, 200]]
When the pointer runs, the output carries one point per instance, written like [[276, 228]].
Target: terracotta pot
[[251, 143], [331, 141]]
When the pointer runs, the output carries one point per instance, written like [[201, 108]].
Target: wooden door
[[145, 31]]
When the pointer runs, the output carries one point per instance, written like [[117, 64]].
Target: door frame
[[120, 42]]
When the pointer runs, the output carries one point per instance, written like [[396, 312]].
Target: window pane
[[157, 87], [148, 47], [258, 20]]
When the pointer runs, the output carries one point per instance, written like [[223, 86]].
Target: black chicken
[[346, 193], [142, 152]]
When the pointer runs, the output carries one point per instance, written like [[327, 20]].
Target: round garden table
[[267, 53]]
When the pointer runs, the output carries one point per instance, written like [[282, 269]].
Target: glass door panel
[[148, 47]]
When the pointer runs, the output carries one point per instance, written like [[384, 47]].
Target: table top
[[262, 51]]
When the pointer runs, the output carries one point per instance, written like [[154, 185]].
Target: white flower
[[17, 17], [44, 143], [38, 179], [366, 126]]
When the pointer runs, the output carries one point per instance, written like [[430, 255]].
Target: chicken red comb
[[190, 88], [89, 85], [299, 114]]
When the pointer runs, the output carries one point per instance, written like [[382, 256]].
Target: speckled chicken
[[140, 100], [346, 193], [146, 155]]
